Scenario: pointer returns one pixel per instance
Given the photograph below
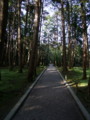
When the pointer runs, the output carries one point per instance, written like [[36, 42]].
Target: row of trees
[[75, 18], [20, 24], [24, 24]]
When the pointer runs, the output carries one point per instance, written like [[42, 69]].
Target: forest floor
[[80, 86], [12, 86]]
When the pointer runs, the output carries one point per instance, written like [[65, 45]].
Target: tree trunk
[[1, 42], [69, 36], [32, 64], [84, 36], [64, 41], [19, 37], [26, 21], [11, 33], [1, 21], [3, 24]]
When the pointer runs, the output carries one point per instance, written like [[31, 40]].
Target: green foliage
[[78, 56], [12, 80], [51, 53], [56, 56], [12, 87], [75, 75]]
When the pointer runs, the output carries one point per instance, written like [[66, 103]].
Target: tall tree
[[69, 32], [63, 37], [84, 36], [1, 19], [34, 44], [19, 36], [3, 24]]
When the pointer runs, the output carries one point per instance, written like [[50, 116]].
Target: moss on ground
[[12, 86]]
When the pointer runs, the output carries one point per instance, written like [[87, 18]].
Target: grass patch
[[12, 86], [80, 86]]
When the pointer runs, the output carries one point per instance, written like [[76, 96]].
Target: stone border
[[80, 105], [22, 99]]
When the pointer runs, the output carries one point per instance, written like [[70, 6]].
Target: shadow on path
[[49, 100]]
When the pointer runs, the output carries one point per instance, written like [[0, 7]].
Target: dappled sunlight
[[52, 71], [29, 108], [49, 85], [41, 86], [59, 86], [82, 85], [62, 82], [36, 97]]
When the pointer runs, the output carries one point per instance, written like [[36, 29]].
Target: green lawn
[[74, 76], [12, 86]]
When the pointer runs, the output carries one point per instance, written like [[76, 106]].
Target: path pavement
[[49, 100]]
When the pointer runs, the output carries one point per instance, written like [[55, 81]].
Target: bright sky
[[49, 9]]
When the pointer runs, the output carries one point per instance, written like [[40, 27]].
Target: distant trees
[[74, 17], [23, 24]]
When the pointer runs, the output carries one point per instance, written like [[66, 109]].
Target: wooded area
[[20, 33], [30, 36]]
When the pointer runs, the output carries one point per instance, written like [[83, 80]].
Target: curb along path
[[49, 100], [23, 98]]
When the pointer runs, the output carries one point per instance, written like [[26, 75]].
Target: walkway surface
[[49, 100]]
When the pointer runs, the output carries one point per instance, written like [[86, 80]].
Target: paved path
[[49, 100]]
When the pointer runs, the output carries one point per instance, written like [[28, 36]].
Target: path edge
[[14, 110], [78, 102]]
